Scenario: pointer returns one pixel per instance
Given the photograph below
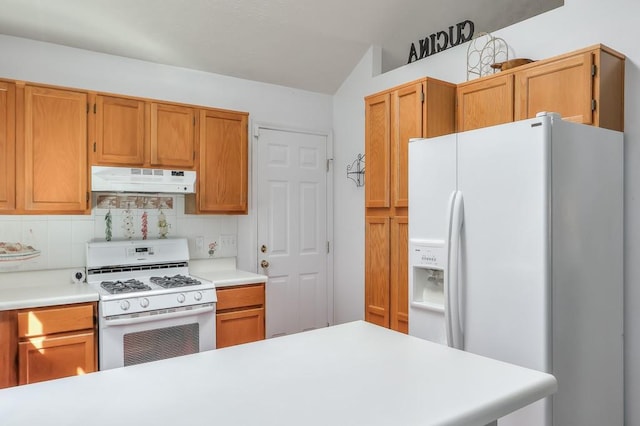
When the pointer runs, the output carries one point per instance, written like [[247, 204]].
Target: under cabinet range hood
[[137, 179]]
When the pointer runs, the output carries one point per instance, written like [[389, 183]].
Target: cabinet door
[[377, 142], [376, 275], [564, 86], [7, 147], [407, 123], [120, 131], [399, 274], [172, 136], [54, 151], [485, 103], [53, 357], [237, 327], [8, 348], [222, 180]]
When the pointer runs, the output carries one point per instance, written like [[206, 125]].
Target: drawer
[[56, 319], [240, 296]]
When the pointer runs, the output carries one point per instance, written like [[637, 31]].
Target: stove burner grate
[[174, 281], [128, 286]]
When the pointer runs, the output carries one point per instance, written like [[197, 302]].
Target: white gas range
[[150, 308]]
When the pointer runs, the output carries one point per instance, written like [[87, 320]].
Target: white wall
[[578, 24], [52, 64]]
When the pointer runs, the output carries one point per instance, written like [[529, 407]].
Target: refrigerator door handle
[[453, 297]]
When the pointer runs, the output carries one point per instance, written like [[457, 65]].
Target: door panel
[[7, 146], [376, 270], [407, 124], [172, 136], [377, 149], [55, 150], [120, 132], [564, 86], [292, 225]]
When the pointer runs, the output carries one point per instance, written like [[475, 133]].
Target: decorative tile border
[[110, 201]]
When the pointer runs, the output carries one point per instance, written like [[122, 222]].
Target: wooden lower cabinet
[[46, 358], [386, 272], [240, 314], [399, 274], [376, 275], [55, 342], [8, 349]]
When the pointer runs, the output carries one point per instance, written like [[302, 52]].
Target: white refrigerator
[[516, 253]]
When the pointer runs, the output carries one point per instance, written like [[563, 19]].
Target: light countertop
[[350, 374], [33, 289], [228, 278]]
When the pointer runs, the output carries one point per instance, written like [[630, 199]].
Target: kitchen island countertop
[[350, 374]]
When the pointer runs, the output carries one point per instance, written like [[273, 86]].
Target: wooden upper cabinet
[[424, 108], [223, 163], [485, 102], [377, 142], [7, 146], [406, 124], [586, 86], [120, 131], [53, 152], [172, 136]]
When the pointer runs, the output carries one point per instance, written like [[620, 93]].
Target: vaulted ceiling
[[306, 44]]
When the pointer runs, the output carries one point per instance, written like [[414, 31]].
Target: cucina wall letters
[[442, 40]]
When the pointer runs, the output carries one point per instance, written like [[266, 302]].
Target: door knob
[[264, 264]]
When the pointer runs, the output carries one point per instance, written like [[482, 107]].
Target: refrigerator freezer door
[[503, 174], [432, 180]]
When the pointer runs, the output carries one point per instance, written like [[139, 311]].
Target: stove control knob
[[124, 305], [144, 302], [181, 298], [197, 295]]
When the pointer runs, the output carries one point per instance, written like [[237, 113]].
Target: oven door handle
[[147, 318]]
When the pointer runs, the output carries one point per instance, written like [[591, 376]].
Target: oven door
[[151, 336]]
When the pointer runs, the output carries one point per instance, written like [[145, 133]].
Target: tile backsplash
[[37, 242]]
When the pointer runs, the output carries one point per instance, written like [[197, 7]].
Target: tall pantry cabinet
[[423, 108]]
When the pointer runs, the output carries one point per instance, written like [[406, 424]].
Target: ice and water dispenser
[[428, 261]]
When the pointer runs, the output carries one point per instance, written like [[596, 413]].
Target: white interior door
[[292, 229]]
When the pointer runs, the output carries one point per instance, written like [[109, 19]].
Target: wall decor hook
[[355, 171]]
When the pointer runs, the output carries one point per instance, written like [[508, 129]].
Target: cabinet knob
[[264, 264]]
